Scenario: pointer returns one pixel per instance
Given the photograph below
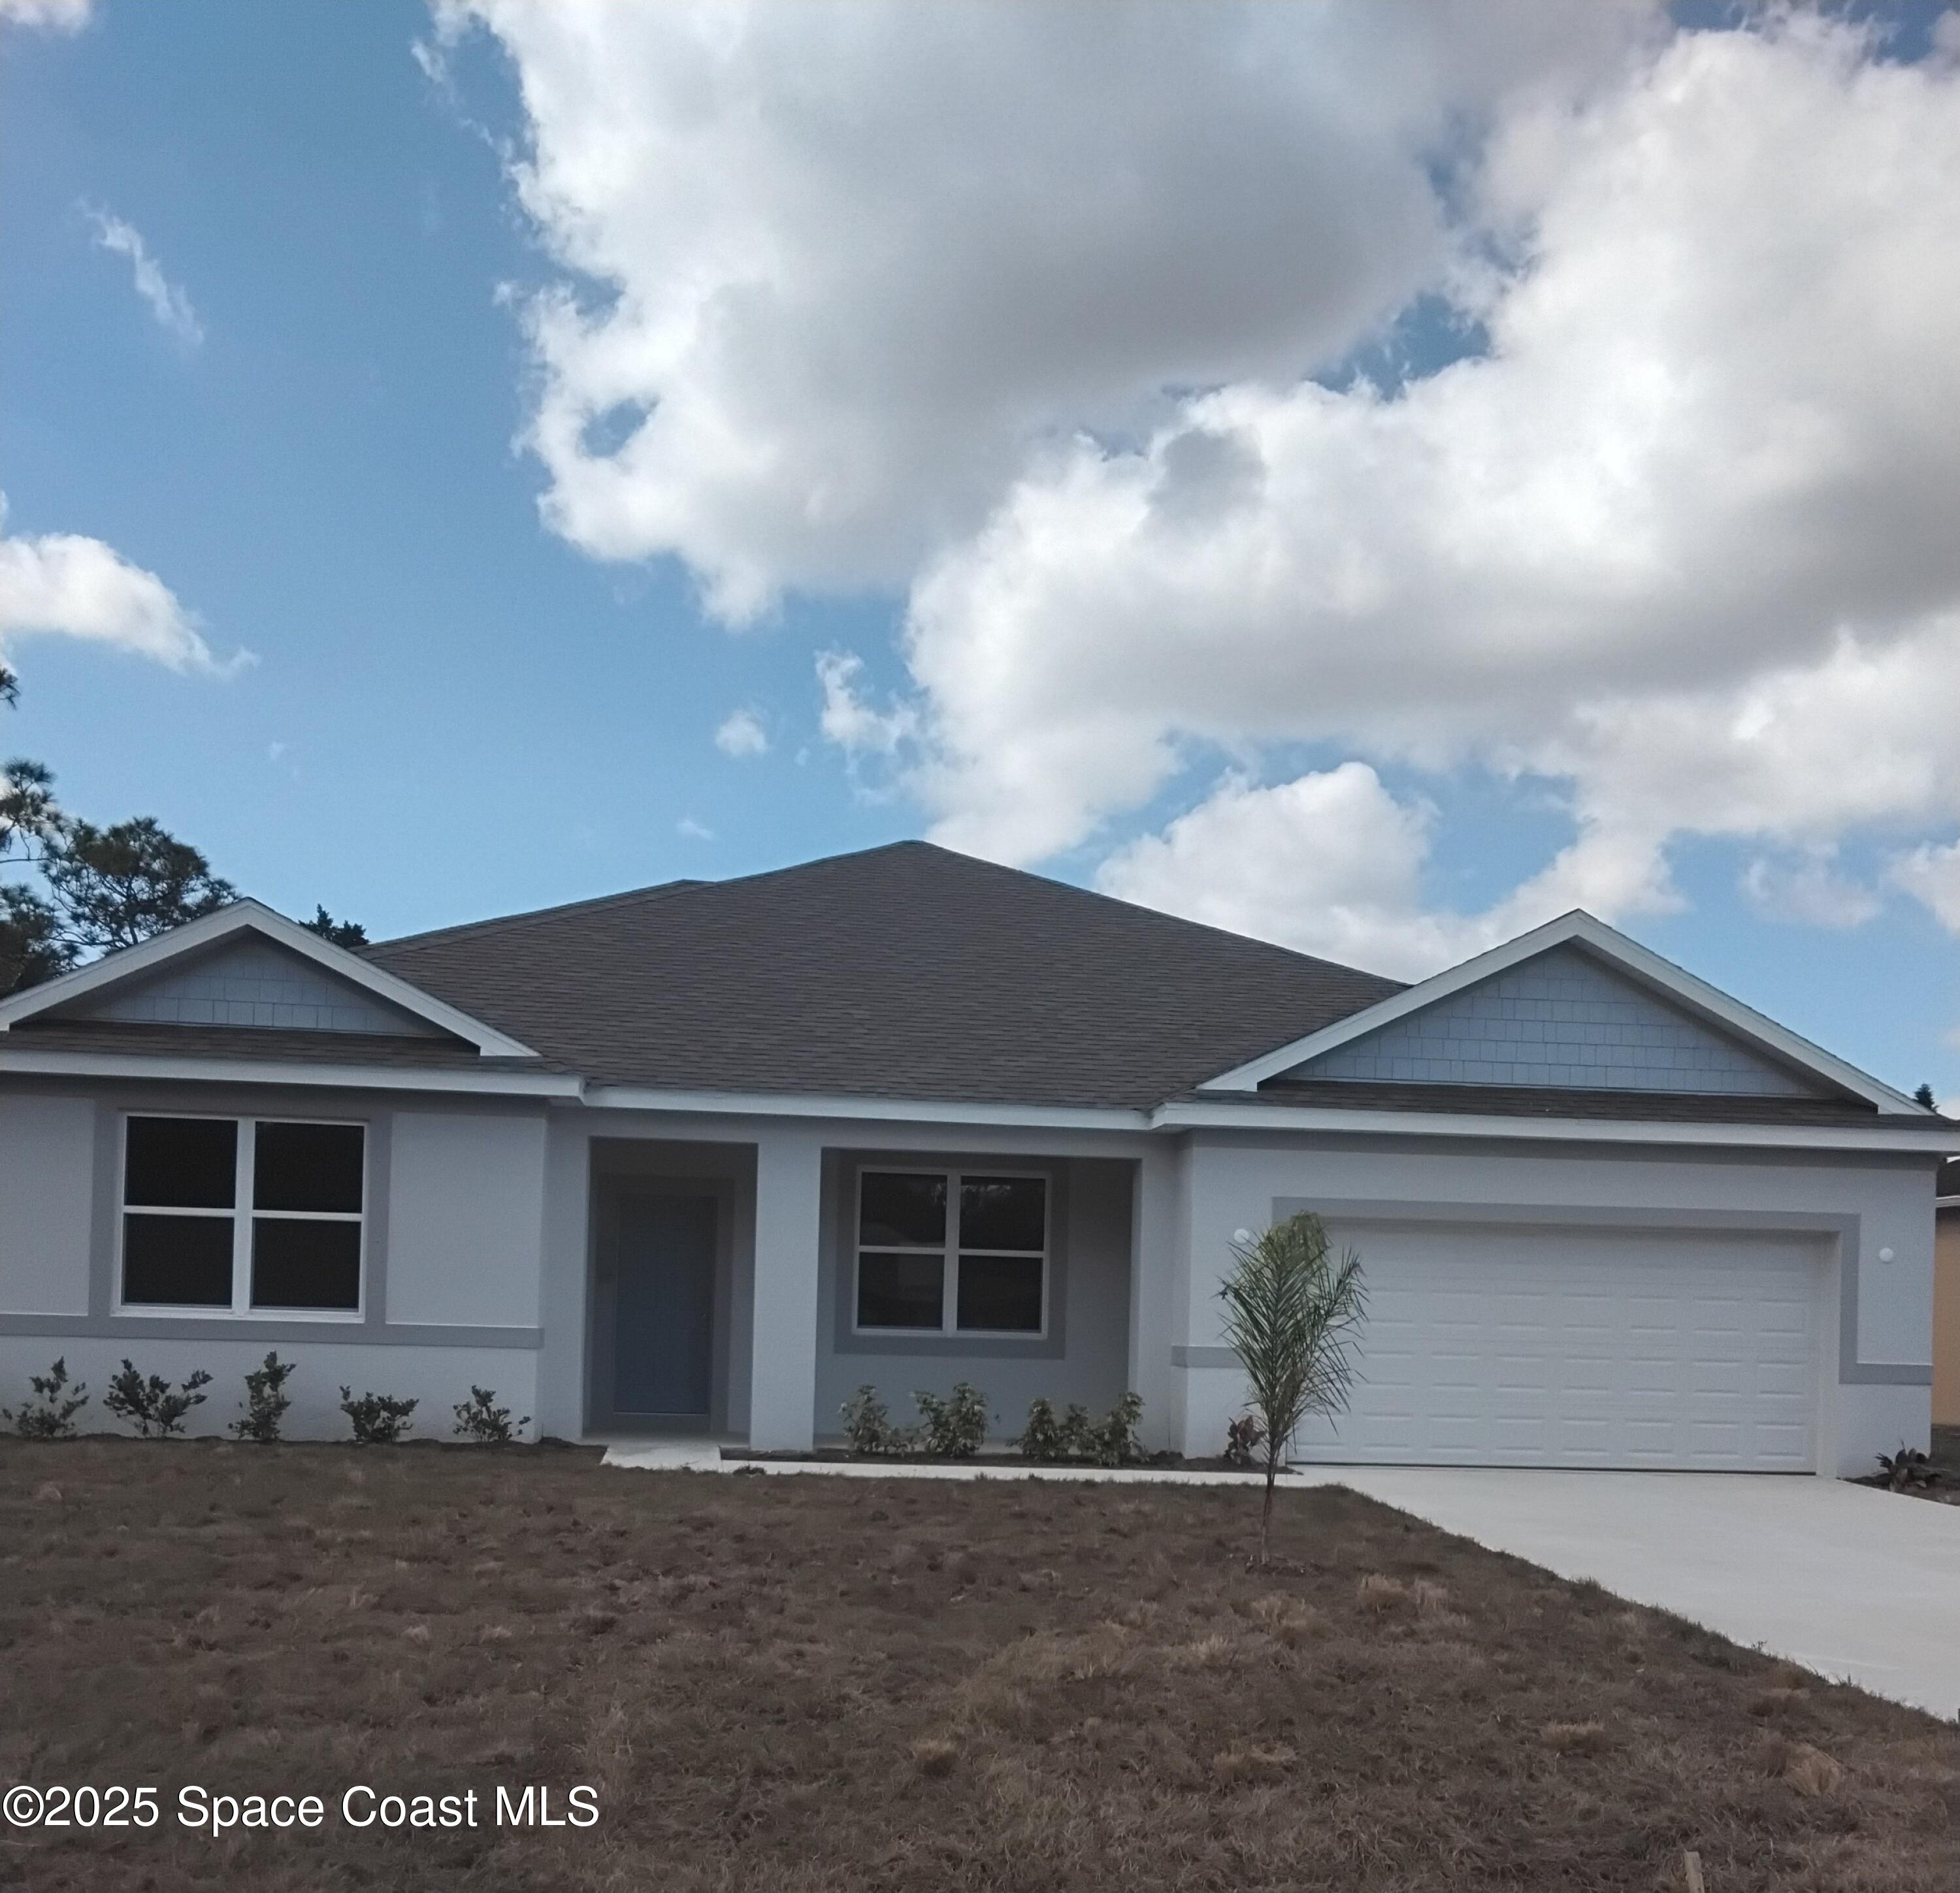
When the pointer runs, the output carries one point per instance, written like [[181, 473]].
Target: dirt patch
[[776, 1683]]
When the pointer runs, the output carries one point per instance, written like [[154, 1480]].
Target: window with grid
[[242, 1216], [951, 1252]]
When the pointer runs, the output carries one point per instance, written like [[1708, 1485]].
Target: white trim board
[[19, 1060], [1579, 929], [251, 916], [1228, 1115]]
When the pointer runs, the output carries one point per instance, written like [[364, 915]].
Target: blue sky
[[459, 704]]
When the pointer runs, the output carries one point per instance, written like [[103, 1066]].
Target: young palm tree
[[1291, 1313]]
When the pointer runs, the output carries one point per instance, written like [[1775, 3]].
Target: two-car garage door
[[1532, 1346]]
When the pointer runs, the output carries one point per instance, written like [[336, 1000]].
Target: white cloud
[[690, 829], [851, 723], [1808, 891], [1932, 876], [1331, 863], [1014, 307], [741, 734], [834, 271], [1683, 538], [59, 582], [60, 16], [166, 301]]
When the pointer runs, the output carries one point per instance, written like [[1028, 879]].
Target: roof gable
[[248, 980], [247, 967], [1735, 1051], [1564, 1019]]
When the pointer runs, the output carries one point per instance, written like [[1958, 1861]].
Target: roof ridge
[[524, 916], [436, 935]]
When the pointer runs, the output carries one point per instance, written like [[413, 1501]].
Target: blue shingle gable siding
[[254, 983], [1560, 1019]]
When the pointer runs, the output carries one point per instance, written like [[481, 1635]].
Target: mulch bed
[[776, 1684]]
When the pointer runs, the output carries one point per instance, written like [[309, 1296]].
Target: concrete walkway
[[1859, 1586], [700, 1459]]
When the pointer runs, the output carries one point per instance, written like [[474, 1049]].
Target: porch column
[[1159, 1249], [782, 1383]]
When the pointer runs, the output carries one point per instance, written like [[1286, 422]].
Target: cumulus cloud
[[1808, 891], [60, 582], [167, 302], [990, 305], [1932, 875], [60, 16], [834, 271], [741, 734], [1332, 864], [1701, 477]]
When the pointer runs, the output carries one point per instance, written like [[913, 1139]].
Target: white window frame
[[949, 1252], [243, 1215]]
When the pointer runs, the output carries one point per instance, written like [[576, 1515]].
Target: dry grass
[[779, 1684]]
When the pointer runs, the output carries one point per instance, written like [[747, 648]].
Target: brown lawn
[[816, 1683]]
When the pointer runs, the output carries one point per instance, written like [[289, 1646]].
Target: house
[[1946, 1298], [710, 1156]]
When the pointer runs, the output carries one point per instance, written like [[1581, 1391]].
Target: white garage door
[[1486, 1346]]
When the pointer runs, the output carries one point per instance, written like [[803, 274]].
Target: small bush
[[50, 1414], [867, 1427], [955, 1427], [1042, 1439], [377, 1420], [1112, 1440], [1054, 1438], [480, 1419], [265, 1402], [152, 1406], [1243, 1438]]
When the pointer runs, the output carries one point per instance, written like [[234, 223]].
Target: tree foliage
[[119, 886], [1291, 1315], [335, 932]]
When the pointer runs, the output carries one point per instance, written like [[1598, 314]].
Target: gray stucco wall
[[253, 982], [47, 1170], [1084, 1358], [455, 1206], [1562, 1019]]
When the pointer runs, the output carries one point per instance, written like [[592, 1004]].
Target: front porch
[[739, 1292]]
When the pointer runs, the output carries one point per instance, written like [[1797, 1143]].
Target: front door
[[664, 1310]]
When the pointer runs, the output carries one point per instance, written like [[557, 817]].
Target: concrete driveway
[[1859, 1586]]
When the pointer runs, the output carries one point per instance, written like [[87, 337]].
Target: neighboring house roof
[[1948, 1188], [901, 971]]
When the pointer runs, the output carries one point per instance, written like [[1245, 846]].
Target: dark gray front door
[[663, 1314]]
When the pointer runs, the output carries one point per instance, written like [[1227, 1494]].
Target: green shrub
[[153, 1406], [1112, 1440], [1041, 1439], [867, 1427], [50, 1414], [377, 1420], [480, 1419], [265, 1402], [955, 1427], [1054, 1438]]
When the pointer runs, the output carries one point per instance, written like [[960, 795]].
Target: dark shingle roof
[[1548, 1101], [902, 971], [282, 1043]]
